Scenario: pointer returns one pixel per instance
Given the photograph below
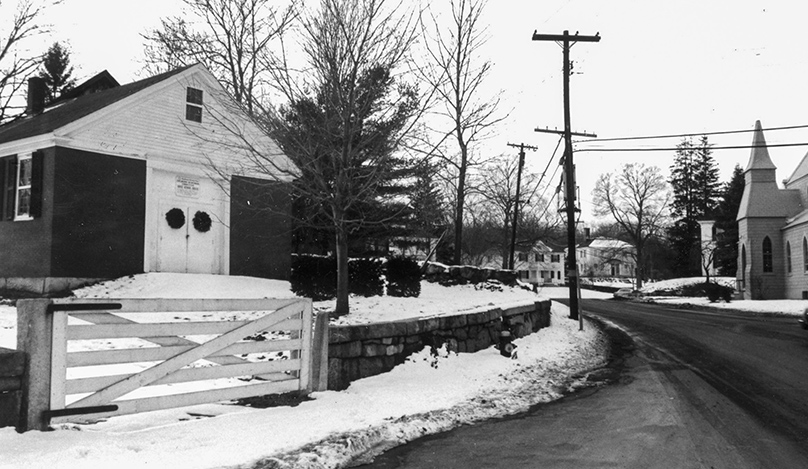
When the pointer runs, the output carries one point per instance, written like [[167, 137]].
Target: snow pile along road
[[431, 392]]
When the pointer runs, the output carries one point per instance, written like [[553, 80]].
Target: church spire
[[759, 157]]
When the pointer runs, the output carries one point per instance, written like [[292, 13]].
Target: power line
[[547, 206], [699, 134], [541, 178], [728, 147]]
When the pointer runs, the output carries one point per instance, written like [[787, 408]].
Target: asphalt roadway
[[684, 389]]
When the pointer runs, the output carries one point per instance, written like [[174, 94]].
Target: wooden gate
[[113, 357]]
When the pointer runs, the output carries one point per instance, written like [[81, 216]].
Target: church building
[[772, 229]]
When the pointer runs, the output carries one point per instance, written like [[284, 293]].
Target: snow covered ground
[[425, 395]]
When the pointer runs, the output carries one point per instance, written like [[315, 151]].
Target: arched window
[[788, 256], [743, 263], [768, 265]]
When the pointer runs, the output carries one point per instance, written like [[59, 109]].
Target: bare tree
[[497, 188], [708, 254], [17, 61], [637, 198], [346, 109], [457, 72], [230, 37]]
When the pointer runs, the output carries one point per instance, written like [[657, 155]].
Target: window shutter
[[9, 187], [2, 188], [36, 184]]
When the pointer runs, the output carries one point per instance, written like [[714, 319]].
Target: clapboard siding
[[151, 125]]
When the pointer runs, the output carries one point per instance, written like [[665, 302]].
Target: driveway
[[687, 389]]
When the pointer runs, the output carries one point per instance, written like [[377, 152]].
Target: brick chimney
[[36, 96]]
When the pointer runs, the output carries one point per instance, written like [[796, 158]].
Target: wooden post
[[318, 379], [567, 40], [34, 338]]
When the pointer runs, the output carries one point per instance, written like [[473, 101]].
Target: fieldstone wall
[[360, 351], [464, 274]]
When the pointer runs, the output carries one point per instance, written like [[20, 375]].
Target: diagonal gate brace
[[167, 367]]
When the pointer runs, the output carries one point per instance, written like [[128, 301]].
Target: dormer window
[[193, 104]]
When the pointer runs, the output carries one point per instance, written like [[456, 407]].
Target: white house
[[603, 257]]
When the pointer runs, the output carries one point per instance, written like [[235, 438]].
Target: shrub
[[717, 292], [365, 277], [713, 291], [403, 277], [314, 277]]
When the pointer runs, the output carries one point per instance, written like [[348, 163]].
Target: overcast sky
[[660, 68]]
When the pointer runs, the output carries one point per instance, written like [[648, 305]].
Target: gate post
[[318, 376], [34, 339]]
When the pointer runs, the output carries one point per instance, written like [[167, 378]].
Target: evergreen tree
[[726, 255], [706, 179], [426, 202], [696, 190], [56, 71]]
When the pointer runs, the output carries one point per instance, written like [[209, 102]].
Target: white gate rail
[[52, 333]]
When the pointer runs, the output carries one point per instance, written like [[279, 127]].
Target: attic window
[[193, 105]]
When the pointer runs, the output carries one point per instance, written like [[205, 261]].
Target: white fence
[[90, 358]]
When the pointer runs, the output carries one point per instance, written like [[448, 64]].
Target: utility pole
[[566, 41], [522, 147]]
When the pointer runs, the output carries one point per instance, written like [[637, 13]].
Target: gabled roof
[[800, 172], [72, 110], [606, 243]]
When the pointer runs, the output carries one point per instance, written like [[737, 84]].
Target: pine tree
[[426, 202], [57, 71], [706, 180], [726, 256], [696, 191]]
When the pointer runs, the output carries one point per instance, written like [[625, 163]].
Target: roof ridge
[[77, 108]]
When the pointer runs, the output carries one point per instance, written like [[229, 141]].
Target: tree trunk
[[461, 196], [342, 274], [640, 269]]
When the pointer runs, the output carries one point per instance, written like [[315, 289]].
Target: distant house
[[115, 180], [540, 264], [603, 257], [772, 228], [420, 248]]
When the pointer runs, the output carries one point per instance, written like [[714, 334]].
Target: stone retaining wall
[[466, 274], [360, 351]]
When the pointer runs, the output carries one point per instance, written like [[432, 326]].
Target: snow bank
[[427, 394]]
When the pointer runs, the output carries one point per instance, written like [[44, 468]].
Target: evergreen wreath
[[202, 222], [175, 218]]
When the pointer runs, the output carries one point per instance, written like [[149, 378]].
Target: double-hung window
[[22, 207], [193, 104], [21, 179]]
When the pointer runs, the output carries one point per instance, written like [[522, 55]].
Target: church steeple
[[759, 158], [761, 196]]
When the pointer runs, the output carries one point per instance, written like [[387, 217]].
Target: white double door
[[189, 238]]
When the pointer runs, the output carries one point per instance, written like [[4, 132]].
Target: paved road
[[690, 389]]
